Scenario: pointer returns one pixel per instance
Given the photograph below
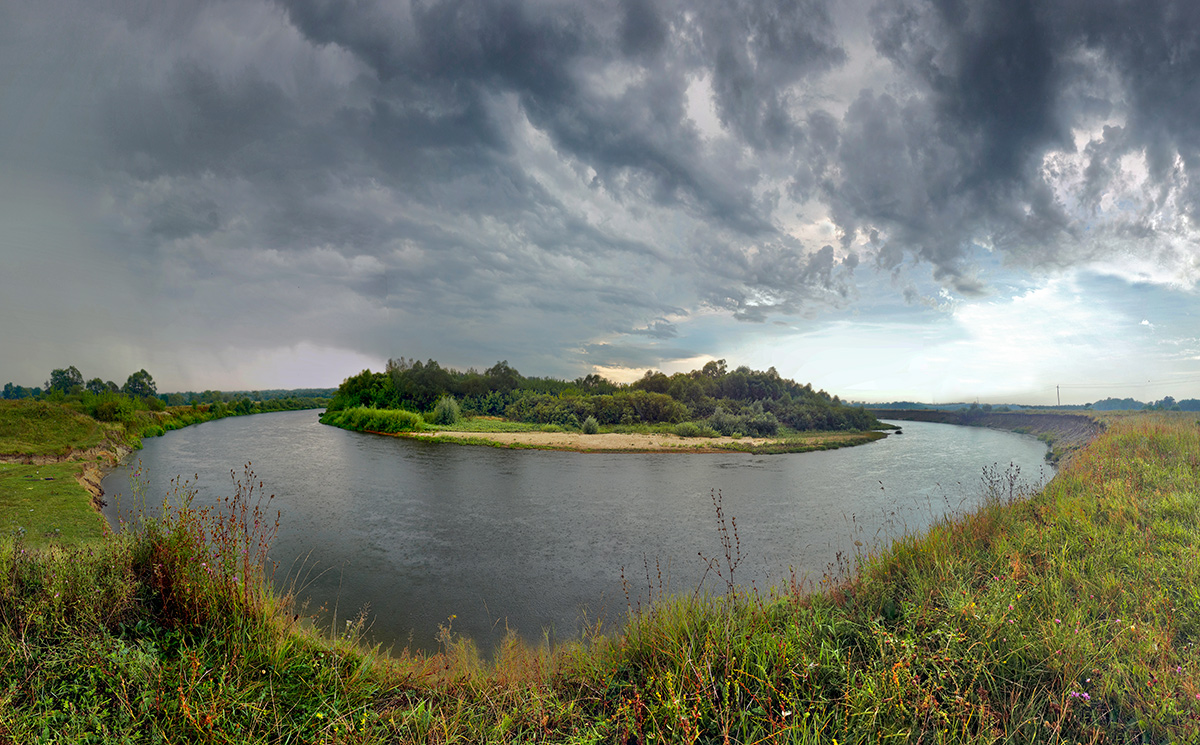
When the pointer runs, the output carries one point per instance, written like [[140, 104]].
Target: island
[[710, 409]]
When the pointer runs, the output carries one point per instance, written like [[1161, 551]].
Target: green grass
[[1067, 615], [46, 505], [40, 428]]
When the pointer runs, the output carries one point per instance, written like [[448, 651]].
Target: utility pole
[[1059, 393]]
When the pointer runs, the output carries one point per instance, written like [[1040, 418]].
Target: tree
[[16, 391], [69, 380], [503, 377], [97, 386], [140, 384]]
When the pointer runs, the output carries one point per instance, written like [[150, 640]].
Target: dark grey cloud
[[659, 329], [975, 147], [471, 174]]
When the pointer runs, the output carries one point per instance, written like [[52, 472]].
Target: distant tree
[[97, 386], [1118, 404], [16, 391], [140, 384], [502, 377], [653, 381], [69, 380]]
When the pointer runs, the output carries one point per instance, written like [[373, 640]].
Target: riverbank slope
[[1065, 433]]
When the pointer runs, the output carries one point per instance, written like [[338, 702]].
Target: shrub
[[446, 411], [591, 426], [694, 429], [362, 419], [724, 421]]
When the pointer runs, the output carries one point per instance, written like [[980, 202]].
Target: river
[[536, 541]]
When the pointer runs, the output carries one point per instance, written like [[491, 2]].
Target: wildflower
[[1057, 621]]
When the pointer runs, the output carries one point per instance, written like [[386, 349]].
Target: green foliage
[[692, 429], [362, 419], [69, 380], [13, 392], [29, 427], [446, 411], [109, 407], [764, 399], [590, 426], [140, 385]]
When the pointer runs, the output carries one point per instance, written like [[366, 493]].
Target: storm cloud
[[569, 185]]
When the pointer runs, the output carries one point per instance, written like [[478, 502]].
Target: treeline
[[140, 387], [187, 398], [146, 413], [1166, 403], [69, 381], [739, 401]]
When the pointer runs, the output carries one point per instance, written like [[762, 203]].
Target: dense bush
[[446, 411], [591, 426], [692, 429], [375, 420]]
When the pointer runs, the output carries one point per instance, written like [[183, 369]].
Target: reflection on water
[[531, 540]]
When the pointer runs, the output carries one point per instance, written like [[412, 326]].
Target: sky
[[934, 200]]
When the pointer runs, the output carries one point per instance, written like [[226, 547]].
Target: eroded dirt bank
[[1066, 433]]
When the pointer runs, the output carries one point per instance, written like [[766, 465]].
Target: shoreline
[[613, 442]]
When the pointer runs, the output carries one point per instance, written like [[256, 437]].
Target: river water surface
[[535, 541]]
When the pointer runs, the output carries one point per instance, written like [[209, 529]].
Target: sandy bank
[[648, 443]]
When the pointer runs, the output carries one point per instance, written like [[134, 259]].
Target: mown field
[[1067, 615]]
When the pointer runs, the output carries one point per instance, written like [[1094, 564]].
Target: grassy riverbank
[[53, 455], [1070, 615], [635, 438]]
